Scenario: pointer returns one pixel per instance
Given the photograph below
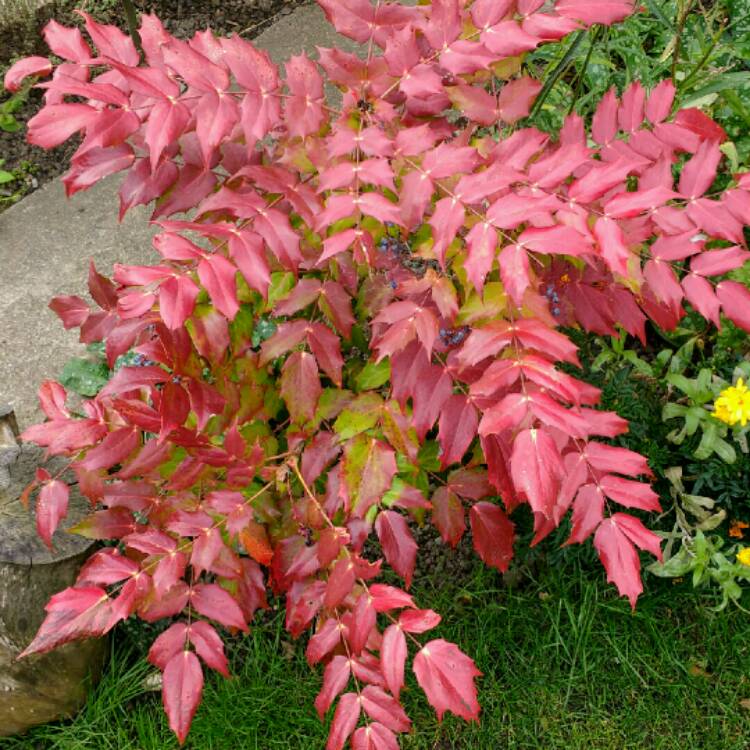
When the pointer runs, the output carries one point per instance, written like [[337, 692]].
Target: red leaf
[[106, 524], [448, 515], [27, 66], [393, 658], [516, 98], [177, 296], [55, 123], [336, 303], [659, 102], [323, 641], [51, 507], [335, 679], [447, 218], [612, 245], [605, 12], [255, 541], [114, 449], [493, 535], [65, 42], [588, 513], [398, 544], [418, 620], [318, 454], [287, 336], [481, 243], [209, 646], [174, 407], [340, 582], [217, 275], [735, 302], [447, 675], [212, 601], [374, 737], [73, 311], [170, 643], [457, 428], [386, 598], [536, 469], [611, 458], [604, 123], [300, 386], [206, 548], [107, 566], [514, 271], [102, 289], [361, 623], [76, 612], [698, 174], [620, 559], [614, 542], [344, 721], [380, 706], [700, 124], [326, 347], [181, 692], [248, 252], [132, 378], [629, 493]]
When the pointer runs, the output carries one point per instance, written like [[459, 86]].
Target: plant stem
[[132, 19], [704, 59], [683, 11]]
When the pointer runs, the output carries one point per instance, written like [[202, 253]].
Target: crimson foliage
[[415, 256]]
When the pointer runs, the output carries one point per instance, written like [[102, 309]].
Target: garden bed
[[35, 166]]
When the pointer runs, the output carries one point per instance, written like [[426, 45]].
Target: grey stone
[[39, 688]]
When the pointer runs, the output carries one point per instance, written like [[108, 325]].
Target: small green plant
[[692, 550], [10, 107]]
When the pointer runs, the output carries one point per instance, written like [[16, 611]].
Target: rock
[[41, 688]]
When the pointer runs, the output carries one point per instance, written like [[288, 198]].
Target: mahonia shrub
[[356, 318]]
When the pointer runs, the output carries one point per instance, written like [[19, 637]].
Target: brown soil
[[181, 17]]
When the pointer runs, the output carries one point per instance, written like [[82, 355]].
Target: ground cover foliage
[[525, 291]]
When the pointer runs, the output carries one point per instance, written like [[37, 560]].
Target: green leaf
[[9, 124], [84, 376], [677, 565], [373, 375], [241, 329], [6, 177], [282, 282], [360, 415], [428, 456], [264, 329], [733, 80]]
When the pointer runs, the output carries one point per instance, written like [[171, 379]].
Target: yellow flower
[[733, 405], [743, 556]]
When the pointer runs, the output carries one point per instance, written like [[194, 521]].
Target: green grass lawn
[[566, 665]]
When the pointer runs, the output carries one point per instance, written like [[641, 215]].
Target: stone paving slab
[[46, 242]]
